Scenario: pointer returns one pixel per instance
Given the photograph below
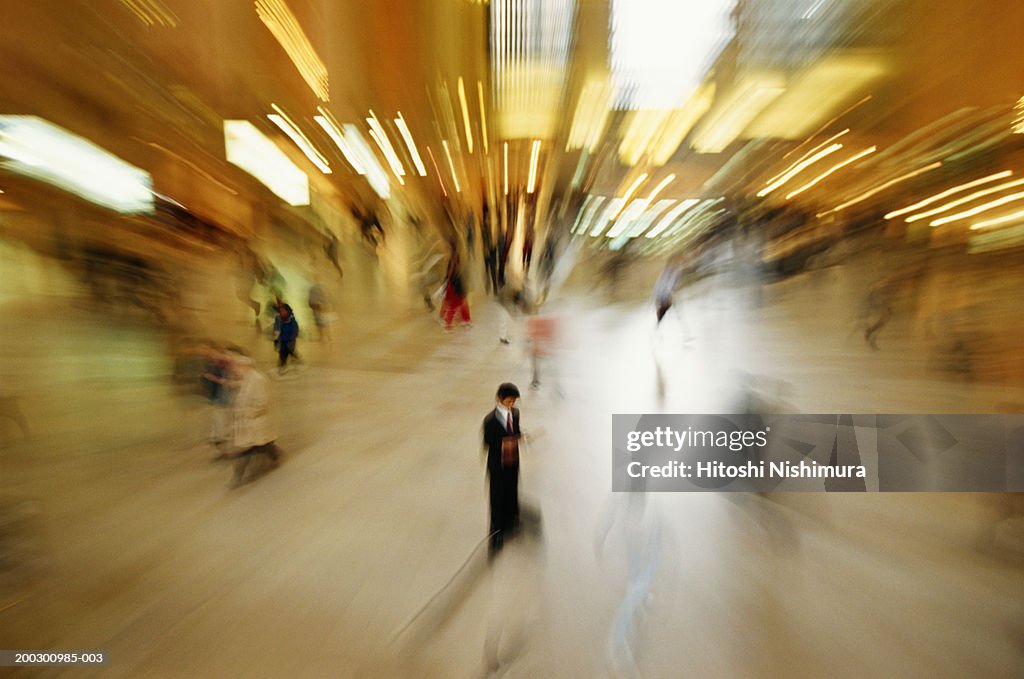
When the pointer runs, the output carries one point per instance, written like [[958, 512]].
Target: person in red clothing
[[455, 301]]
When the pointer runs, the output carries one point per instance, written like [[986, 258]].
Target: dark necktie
[[508, 424]]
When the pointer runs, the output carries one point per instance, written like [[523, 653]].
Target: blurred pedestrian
[[542, 330], [286, 334], [455, 301], [669, 281], [216, 382], [332, 250], [323, 315], [254, 431], [501, 435]]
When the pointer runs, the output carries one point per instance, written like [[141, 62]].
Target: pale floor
[[361, 556]]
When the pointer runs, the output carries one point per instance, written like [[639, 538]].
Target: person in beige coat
[[254, 431]]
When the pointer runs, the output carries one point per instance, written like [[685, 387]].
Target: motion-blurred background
[[645, 205]]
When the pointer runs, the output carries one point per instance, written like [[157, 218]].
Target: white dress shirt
[[503, 415]]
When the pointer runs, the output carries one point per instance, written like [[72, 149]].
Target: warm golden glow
[[949, 192], [732, 115], [285, 27], [506, 168], [816, 94], [591, 115], [834, 168]]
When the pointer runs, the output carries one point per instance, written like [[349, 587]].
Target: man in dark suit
[[501, 439]]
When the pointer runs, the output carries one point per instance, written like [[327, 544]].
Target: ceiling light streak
[[615, 206], [583, 210], [381, 137], [285, 27], [295, 134], [465, 115], [586, 219], [437, 171], [647, 217], [949, 192], [966, 199], [834, 168], [830, 139], [661, 185], [327, 122], [813, 9], [381, 145], [882, 187], [407, 136], [795, 169], [629, 194], [999, 220], [451, 166], [978, 210], [671, 216], [483, 115], [534, 157]]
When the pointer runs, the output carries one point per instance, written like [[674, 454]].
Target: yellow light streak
[[285, 124], [961, 201], [483, 115], [949, 192], [629, 194], [465, 115], [326, 121], [451, 166], [882, 187], [661, 185], [989, 222], [834, 168], [796, 168], [534, 157], [407, 136], [381, 145], [979, 209], [381, 137], [276, 16], [437, 171]]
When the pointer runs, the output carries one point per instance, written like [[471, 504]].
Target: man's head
[[508, 394]]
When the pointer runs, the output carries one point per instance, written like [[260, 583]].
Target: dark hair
[[507, 389]]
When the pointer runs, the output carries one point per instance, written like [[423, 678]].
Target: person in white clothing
[[254, 431]]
